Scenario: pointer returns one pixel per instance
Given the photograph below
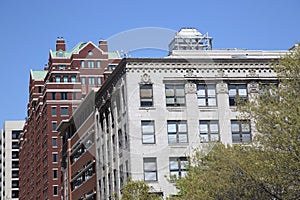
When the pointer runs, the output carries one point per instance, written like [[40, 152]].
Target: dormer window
[[90, 53], [60, 53]]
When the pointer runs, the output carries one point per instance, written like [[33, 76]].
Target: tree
[[137, 190], [269, 168]]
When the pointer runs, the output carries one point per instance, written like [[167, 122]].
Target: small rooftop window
[[90, 53], [60, 53]]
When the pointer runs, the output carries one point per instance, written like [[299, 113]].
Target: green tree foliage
[[137, 190], [269, 168]]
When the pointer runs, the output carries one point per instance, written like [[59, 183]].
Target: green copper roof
[[38, 74], [113, 55], [76, 49]]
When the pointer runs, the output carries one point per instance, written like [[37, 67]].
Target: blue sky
[[29, 30]]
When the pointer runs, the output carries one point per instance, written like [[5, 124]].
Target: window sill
[[147, 108]]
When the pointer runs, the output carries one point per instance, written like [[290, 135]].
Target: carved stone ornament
[[222, 88], [145, 78], [252, 73], [190, 88], [221, 73], [253, 87], [190, 73]]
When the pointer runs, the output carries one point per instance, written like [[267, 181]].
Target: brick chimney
[[60, 44], [103, 45]]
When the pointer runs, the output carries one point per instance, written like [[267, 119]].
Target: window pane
[[149, 166], [203, 128], [170, 101], [172, 138], [235, 137], [180, 91], [245, 127], [169, 92], [232, 91], [182, 127], [150, 176], [235, 127], [211, 92], [201, 92], [214, 137], [212, 102], [180, 100], [182, 138], [201, 102], [174, 165], [243, 92], [149, 139], [172, 127], [214, 128], [148, 128], [246, 137], [174, 173], [204, 138]]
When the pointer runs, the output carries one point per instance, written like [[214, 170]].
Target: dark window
[[55, 174], [54, 126], [64, 96], [146, 95], [240, 131], [15, 145], [178, 167], [15, 154], [53, 109], [237, 93], [64, 111], [209, 130], [175, 95], [15, 193], [54, 157], [15, 184], [54, 142], [53, 95], [16, 134], [55, 190], [15, 174], [15, 164]]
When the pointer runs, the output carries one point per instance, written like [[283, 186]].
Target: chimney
[[60, 44], [103, 45]]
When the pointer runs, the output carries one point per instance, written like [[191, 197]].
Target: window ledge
[[147, 108]]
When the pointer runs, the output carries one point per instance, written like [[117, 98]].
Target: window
[[73, 79], [99, 81], [15, 184], [15, 164], [150, 169], [14, 154], [64, 96], [65, 79], [53, 95], [54, 126], [148, 135], [57, 79], [268, 90], [240, 131], [91, 80], [90, 64], [83, 81], [177, 132], [82, 64], [15, 193], [15, 174], [40, 89], [175, 95], [64, 111], [206, 95], [55, 190], [15, 145], [98, 64], [61, 67], [146, 95], [55, 157], [178, 167], [237, 91], [53, 109], [54, 142], [209, 130], [55, 174], [15, 134], [111, 67], [90, 53]]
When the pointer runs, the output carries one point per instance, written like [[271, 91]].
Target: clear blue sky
[[29, 30]]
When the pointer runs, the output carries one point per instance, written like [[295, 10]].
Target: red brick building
[[54, 93]]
